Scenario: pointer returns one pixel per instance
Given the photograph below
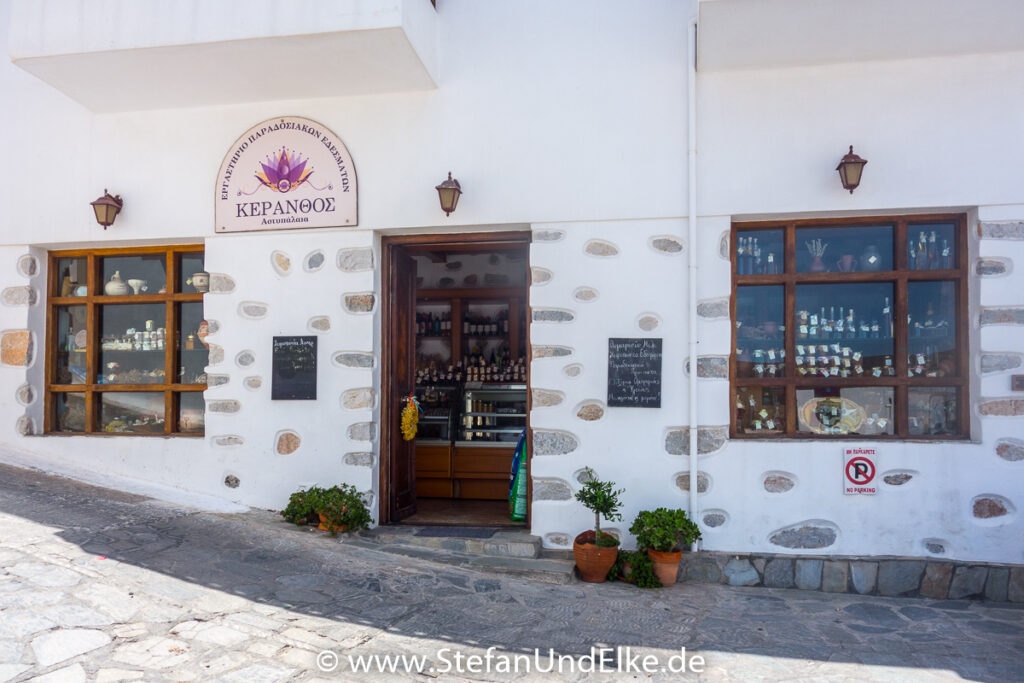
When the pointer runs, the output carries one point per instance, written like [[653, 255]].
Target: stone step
[[551, 571], [503, 543]]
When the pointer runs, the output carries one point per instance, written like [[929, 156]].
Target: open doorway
[[455, 335]]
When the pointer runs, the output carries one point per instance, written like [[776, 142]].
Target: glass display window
[[126, 350]]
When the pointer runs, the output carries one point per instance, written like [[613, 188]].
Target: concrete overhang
[[765, 34], [125, 55]]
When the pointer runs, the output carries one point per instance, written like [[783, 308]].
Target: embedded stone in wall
[[19, 296], [540, 276], [360, 459], [1015, 589], [1001, 407], [935, 583], [666, 244], [244, 358], [320, 323], [215, 355], [287, 442], [362, 431], [446, 282], [600, 248], [281, 262], [723, 245], [808, 574], [739, 572], [232, 482], [590, 412], [363, 398], [457, 265], [585, 295], [368, 498], [698, 569], [360, 303], [16, 348], [586, 475], [898, 577], [355, 260], [354, 359], [213, 380], [551, 442], [1002, 315], [864, 576], [548, 235], [545, 397], [557, 538], [551, 489], [648, 322], [709, 439], [253, 382], [934, 546], [834, 577], [711, 367], [1002, 230], [779, 482], [967, 582], [314, 261], [573, 370], [992, 267], [25, 426], [714, 518], [778, 573], [552, 315], [212, 327], [990, 505], [223, 406], [1000, 362], [809, 534], [28, 266], [1010, 449], [228, 440], [683, 482], [253, 309], [997, 584], [25, 394], [713, 308], [221, 284], [541, 351], [897, 478]]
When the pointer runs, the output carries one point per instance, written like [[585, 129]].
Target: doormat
[[456, 531]]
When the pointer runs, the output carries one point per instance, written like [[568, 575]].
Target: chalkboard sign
[[634, 373], [294, 369]]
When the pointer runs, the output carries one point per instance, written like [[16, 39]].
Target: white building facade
[[582, 124]]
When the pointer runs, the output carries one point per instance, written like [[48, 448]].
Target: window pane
[[191, 412], [189, 266], [846, 410], [931, 246], [844, 330], [844, 250], [760, 332], [142, 274], [72, 338], [134, 412], [760, 410], [133, 337], [193, 353], [759, 252], [72, 276], [931, 309], [933, 410], [69, 412]]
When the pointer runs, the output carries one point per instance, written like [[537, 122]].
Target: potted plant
[[341, 508], [595, 551], [301, 508], [635, 567], [663, 533]]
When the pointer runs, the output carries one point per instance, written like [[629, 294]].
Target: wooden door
[[402, 344]]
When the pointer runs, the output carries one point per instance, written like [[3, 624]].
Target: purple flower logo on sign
[[285, 172]]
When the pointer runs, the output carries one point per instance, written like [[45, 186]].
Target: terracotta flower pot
[[325, 526], [666, 566], [593, 562]]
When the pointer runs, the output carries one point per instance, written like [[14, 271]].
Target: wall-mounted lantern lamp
[[107, 207], [850, 168], [449, 192]]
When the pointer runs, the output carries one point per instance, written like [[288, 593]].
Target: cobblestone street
[[99, 585]]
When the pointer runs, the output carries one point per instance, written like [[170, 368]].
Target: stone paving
[[104, 586]]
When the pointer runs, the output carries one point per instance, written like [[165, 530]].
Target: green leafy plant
[[636, 567], [601, 498], [301, 508], [342, 509], [664, 530]]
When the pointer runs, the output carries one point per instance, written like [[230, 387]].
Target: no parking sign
[[859, 468]]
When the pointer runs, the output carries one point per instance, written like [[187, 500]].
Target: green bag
[[517, 491]]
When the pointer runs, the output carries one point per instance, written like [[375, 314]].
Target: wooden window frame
[[900, 276], [92, 302]]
